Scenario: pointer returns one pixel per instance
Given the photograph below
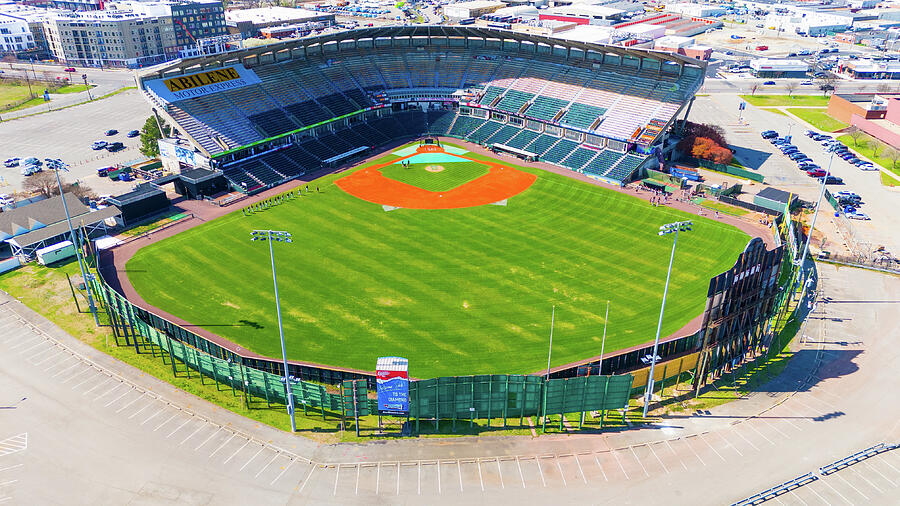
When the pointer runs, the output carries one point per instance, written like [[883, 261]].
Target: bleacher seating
[[603, 162], [484, 131], [625, 167], [513, 100], [559, 151], [490, 94], [582, 115], [579, 158], [522, 139], [337, 104], [464, 125], [546, 108], [503, 135], [307, 113], [439, 121], [273, 122], [541, 144]]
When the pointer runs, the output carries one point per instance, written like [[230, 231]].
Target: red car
[[70, 69], [762, 48], [815, 173]]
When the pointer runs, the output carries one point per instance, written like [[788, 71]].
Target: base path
[[501, 182]]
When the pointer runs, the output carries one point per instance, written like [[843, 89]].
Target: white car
[[858, 216], [806, 83]]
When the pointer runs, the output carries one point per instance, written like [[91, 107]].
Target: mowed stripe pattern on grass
[[462, 291]]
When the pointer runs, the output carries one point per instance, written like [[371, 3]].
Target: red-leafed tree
[[706, 142]]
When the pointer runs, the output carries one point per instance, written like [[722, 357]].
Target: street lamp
[[56, 166], [678, 226], [84, 77], [279, 236], [816, 212]]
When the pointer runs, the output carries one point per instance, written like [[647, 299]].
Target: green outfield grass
[[464, 291], [453, 175]]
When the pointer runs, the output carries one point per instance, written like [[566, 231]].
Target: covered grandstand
[[273, 113]]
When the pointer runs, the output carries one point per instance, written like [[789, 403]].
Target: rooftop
[[269, 14]]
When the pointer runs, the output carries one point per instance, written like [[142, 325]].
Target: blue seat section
[[603, 162], [504, 134], [465, 125], [625, 167], [542, 144], [522, 139], [579, 158], [562, 149]]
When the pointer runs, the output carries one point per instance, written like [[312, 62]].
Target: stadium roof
[[428, 31], [62, 227]]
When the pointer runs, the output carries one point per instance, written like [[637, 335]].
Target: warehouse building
[[766, 68]]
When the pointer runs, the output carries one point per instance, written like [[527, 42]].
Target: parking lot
[[68, 134]]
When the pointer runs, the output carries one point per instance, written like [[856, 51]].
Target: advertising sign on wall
[[198, 84], [392, 375]]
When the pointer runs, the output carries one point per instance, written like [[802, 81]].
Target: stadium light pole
[[812, 225], [280, 236], [663, 230], [56, 166]]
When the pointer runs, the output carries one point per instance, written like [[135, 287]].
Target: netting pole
[[662, 390], [356, 409], [562, 415], [472, 408], [231, 380], [322, 396], [455, 410], [212, 362], [490, 398], [199, 367], [171, 356], [506, 402], [418, 407], [244, 382], [130, 320], [584, 387], [524, 396], [437, 407], [187, 365], [605, 390], [266, 385]]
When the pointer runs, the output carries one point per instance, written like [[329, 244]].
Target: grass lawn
[[163, 220], [725, 208], [864, 148], [775, 110], [452, 175], [463, 291], [818, 118], [70, 88], [785, 100], [887, 180]]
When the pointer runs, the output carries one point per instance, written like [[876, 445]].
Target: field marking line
[[223, 445], [748, 424], [236, 452], [521, 476], [676, 455], [639, 461], [729, 444], [160, 410], [208, 438], [167, 421], [580, 470], [58, 364], [179, 427], [198, 429], [98, 385], [398, 477], [132, 402], [308, 476], [64, 370], [267, 465], [597, 460], [336, 475], [851, 486], [480, 478], [142, 409], [836, 492], [500, 473], [377, 478], [700, 436], [10, 467], [537, 461], [865, 479], [282, 472], [620, 464], [261, 448], [561, 475], [119, 397], [666, 469], [356, 490]]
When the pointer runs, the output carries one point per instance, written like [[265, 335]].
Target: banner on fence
[[392, 375]]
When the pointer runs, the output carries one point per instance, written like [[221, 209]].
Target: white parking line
[[858, 491], [597, 460], [179, 427], [748, 424], [98, 385], [32, 339], [666, 469], [40, 353], [236, 452], [82, 382], [198, 429], [825, 482], [223, 445], [151, 403], [10, 467], [729, 443], [538, 462], [797, 497], [261, 448], [111, 390], [521, 476], [620, 464], [267, 465], [337, 474], [459, 470], [676, 455], [770, 424], [282, 472], [24, 351], [500, 473], [132, 402], [57, 364], [207, 439], [580, 470], [700, 436], [308, 476], [49, 357], [356, 489], [419, 478], [398, 477], [561, 474], [378, 479], [70, 378], [438, 476], [852, 468], [167, 421], [639, 461], [65, 370], [154, 415], [687, 442]]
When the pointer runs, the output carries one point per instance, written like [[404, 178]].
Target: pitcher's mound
[[435, 168]]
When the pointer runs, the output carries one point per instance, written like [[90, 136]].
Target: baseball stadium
[[452, 195]]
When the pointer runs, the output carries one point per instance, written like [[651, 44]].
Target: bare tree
[[43, 183], [856, 134], [791, 87], [876, 147], [883, 88], [893, 154], [754, 88]]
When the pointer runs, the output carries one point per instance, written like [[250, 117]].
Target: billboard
[[201, 83], [392, 376]]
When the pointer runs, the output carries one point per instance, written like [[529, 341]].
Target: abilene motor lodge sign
[[202, 83]]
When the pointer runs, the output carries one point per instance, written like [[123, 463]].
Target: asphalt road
[[102, 433]]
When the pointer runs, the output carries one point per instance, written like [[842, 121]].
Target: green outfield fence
[[449, 398]]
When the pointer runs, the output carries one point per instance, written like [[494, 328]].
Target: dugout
[[145, 200], [199, 183], [775, 199]]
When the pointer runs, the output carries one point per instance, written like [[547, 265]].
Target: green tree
[[150, 134]]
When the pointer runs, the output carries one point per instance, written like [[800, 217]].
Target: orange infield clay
[[499, 183]]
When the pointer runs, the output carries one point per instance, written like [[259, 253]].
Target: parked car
[[856, 215], [806, 83], [104, 171], [114, 146], [70, 69], [808, 166], [133, 133], [847, 194], [31, 160], [111, 131], [11, 162], [832, 180], [98, 145], [769, 83], [815, 173], [769, 134], [796, 155]]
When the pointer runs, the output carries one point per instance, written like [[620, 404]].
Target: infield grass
[[463, 291], [452, 174]]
